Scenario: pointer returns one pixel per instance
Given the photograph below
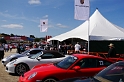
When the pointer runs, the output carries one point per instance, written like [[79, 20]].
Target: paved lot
[[4, 76]]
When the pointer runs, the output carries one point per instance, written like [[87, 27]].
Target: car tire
[[21, 69], [50, 80]]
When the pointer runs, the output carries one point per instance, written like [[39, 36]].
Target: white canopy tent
[[99, 29]]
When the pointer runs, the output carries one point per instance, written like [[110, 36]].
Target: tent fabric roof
[[97, 28]]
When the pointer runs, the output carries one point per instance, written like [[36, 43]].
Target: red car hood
[[42, 69]]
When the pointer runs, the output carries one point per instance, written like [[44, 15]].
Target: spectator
[[18, 48], [1, 51], [6, 46], [10, 47], [111, 51], [77, 47]]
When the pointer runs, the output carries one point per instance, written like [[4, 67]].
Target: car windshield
[[67, 62], [35, 55], [25, 52], [113, 73]]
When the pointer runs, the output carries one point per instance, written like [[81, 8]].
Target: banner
[[81, 9], [43, 25]]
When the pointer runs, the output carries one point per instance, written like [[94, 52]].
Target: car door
[[48, 58], [88, 67], [45, 57]]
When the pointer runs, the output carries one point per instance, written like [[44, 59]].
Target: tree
[[11, 34], [5, 34], [37, 39], [2, 40], [32, 36]]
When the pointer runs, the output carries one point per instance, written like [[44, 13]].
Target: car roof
[[36, 49], [52, 51], [80, 56]]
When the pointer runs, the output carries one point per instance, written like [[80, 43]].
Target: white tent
[[99, 29]]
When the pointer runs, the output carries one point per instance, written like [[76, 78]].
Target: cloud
[[17, 17], [34, 2], [46, 16], [6, 15], [4, 20], [12, 26], [60, 25], [49, 26]]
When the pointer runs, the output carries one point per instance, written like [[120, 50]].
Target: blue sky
[[22, 17]]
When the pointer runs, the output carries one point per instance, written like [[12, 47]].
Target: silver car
[[17, 55]]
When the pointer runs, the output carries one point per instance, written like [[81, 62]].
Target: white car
[[17, 55], [24, 64]]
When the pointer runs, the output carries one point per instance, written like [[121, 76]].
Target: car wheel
[[13, 59], [21, 69], [50, 80]]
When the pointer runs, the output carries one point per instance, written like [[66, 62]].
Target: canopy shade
[[99, 29]]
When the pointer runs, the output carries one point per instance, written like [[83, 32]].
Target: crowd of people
[[63, 48], [70, 49]]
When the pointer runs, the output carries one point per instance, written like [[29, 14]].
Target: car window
[[36, 55], [34, 51], [113, 73], [87, 63], [54, 54], [92, 63], [67, 62], [47, 56], [103, 63], [57, 55], [23, 53]]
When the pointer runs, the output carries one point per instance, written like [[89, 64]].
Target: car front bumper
[[10, 68]]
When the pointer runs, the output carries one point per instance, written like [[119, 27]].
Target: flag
[[43, 25], [81, 9]]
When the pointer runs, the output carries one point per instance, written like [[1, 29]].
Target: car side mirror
[[76, 68], [39, 58], [28, 54]]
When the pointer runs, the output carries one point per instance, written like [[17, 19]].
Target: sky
[[22, 17]]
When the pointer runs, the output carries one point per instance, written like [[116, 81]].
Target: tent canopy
[[97, 28]]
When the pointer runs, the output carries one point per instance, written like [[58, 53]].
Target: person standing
[[1, 51], [77, 47], [111, 51], [18, 48], [6, 46], [10, 47]]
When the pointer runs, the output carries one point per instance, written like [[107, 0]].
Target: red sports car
[[76, 65]]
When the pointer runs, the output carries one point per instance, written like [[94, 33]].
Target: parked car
[[115, 59], [113, 73], [17, 55], [76, 65], [24, 64]]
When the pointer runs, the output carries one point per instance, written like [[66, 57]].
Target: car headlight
[[33, 75]]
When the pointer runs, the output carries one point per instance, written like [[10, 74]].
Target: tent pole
[[89, 31], [88, 36]]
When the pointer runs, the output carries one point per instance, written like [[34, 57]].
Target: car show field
[[4, 76]]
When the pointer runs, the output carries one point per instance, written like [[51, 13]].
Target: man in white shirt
[[6, 46], [77, 48]]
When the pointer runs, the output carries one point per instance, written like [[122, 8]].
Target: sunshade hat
[[111, 45]]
